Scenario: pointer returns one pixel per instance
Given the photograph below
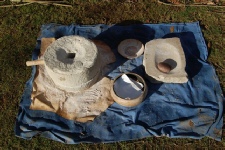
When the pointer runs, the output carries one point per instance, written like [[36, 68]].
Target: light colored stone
[[168, 51], [81, 106], [130, 48], [73, 62]]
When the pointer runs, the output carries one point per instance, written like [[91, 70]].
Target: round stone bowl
[[130, 102], [131, 48], [73, 63]]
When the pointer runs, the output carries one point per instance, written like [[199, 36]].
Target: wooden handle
[[35, 62]]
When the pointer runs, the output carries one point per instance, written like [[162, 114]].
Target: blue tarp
[[190, 110]]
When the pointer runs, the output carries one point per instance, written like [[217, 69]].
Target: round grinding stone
[[72, 62], [131, 48]]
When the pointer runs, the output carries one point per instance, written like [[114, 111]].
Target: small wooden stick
[[35, 62]]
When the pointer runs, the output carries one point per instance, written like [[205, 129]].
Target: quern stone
[[164, 61], [73, 62]]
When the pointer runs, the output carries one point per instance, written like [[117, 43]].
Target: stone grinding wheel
[[72, 62]]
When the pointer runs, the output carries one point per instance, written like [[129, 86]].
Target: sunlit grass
[[20, 26]]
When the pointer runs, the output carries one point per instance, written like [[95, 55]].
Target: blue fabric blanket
[[190, 110]]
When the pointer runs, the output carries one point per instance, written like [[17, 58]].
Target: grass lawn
[[19, 28]]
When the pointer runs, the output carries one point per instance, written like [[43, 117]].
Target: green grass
[[19, 28]]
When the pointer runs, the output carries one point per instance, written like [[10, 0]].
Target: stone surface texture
[[131, 48], [73, 62], [168, 51], [81, 105]]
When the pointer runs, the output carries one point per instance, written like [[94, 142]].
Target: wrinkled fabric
[[189, 110]]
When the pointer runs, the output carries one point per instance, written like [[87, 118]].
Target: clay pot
[[130, 102]]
